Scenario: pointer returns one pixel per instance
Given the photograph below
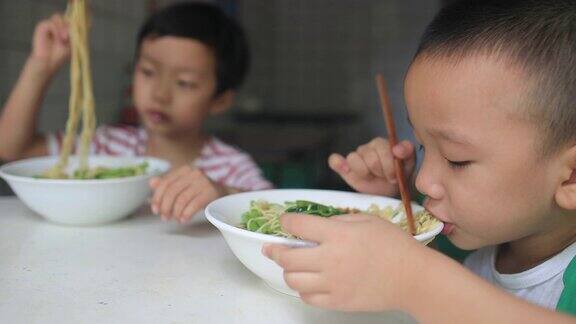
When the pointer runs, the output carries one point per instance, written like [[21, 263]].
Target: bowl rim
[[27, 179], [292, 241]]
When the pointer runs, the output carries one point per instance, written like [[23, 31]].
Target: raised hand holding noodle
[[81, 103]]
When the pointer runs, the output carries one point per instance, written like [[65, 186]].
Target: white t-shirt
[[541, 285], [222, 163]]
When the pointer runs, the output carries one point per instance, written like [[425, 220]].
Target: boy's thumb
[[308, 227], [353, 218]]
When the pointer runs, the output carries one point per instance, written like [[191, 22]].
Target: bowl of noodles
[[251, 219], [109, 190]]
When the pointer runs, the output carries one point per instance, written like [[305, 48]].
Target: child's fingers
[[165, 183], [338, 163], [192, 204], [293, 259], [306, 282], [309, 227], [405, 151], [170, 195], [62, 27], [357, 165], [49, 31], [372, 160], [55, 24], [353, 218], [321, 300], [154, 182], [184, 199], [193, 207], [387, 163], [274, 251], [381, 147]]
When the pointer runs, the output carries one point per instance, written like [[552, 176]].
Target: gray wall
[[322, 55]]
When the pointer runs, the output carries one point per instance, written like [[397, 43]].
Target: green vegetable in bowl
[[312, 208], [103, 173], [264, 217], [110, 173]]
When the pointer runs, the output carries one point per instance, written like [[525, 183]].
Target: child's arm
[[51, 49], [364, 263], [183, 192], [370, 169]]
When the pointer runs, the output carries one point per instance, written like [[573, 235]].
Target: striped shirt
[[222, 163]]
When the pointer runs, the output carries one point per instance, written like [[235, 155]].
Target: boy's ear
[[224, 101], [566, 193]]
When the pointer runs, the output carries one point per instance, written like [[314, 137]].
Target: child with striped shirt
[[191, 58]]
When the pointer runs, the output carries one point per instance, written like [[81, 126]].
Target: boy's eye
[[186, 84], [146, 71], [458, 164]]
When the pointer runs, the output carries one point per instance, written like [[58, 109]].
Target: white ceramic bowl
[[226, 214], [81, 202]]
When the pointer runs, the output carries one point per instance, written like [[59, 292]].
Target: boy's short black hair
[[539, 36], [209, 25]]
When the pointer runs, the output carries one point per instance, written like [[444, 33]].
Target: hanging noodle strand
[[81, 102]]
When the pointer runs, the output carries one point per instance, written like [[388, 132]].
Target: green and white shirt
[[551, 284]]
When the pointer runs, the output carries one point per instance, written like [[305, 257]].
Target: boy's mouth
[[157, 117], [448, 228]]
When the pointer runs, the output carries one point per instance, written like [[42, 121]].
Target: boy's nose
[[161, 92], [428, 185]]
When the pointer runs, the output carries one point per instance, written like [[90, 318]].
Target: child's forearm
[[19, 117], [442, 291]]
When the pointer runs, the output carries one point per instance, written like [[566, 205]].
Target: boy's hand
[[362, 263], [370, 169], [51, 43], [183, 192]]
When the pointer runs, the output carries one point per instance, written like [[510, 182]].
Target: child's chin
[[464, 243], [159, 128], [169, 132]]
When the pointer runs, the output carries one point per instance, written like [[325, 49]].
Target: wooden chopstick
[[393, 140]]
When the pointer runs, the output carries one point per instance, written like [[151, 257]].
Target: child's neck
[[528, 252], [179, 150]]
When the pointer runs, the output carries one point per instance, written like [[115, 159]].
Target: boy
[[190, 60], [490, 95]]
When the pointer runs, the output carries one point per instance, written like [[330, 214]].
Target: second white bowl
[[226, 214], [81, 202]]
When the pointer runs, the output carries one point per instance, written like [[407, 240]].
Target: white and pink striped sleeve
[[231, 167], [107, 140]]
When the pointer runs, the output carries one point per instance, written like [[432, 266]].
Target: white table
[[139, 270]]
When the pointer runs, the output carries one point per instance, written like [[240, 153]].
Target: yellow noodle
[[81, 103]]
